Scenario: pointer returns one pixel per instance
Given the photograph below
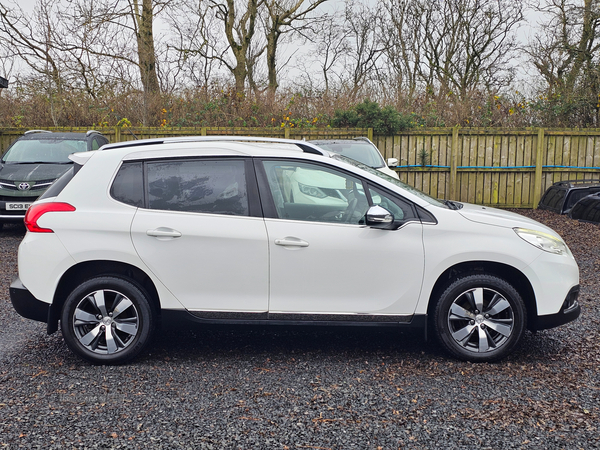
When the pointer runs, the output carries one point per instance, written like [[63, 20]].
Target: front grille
[[12, 186]]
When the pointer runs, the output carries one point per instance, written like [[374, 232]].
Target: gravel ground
[[305, 388]]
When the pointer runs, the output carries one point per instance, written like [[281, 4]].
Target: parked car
[[360, 149], [33, 162], [204, 229], [587, 209], [562, 195]]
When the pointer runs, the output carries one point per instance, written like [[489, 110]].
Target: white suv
[[215, 230]]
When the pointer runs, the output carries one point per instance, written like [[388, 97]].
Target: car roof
[[49, 135]]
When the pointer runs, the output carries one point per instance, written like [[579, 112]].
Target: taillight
[[34, 213]]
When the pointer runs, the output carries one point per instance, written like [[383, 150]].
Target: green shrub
[[368, 114]]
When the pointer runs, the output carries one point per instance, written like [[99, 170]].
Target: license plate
[[17, 206]]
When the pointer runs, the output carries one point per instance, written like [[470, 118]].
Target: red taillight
[[36, 211]]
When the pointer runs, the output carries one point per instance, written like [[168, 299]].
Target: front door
[[324, 260]]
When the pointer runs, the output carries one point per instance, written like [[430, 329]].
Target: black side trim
[[569, 311], [171, 317], [367, 318], [226, 315], [26, 304]]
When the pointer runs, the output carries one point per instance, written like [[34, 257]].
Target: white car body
[[264, 268]]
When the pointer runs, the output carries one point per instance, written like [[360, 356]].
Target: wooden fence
[[496, 167]]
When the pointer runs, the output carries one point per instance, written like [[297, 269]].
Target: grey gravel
[[305, 388]]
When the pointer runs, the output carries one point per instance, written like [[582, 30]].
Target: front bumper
[[569, 311], [26, 304]]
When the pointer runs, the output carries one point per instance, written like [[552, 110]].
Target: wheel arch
[[508, 273], [92, 269]]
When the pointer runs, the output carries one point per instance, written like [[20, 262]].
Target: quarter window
[[400, 209], [128, 186]]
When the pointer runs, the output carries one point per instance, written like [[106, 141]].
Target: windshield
[[397, 182], [362, 152], [43, 151]]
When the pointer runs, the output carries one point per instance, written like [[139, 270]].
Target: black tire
[[93, 331], [480, 318]]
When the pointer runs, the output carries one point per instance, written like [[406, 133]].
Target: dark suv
[[33, 162], [562, 196]]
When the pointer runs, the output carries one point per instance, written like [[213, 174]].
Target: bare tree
[[364, 44], [105, 29], [453, 45], [195, 41], [239, 26], [401, 32], [566, 49], [31, 39], [284, 16], [331, 47]]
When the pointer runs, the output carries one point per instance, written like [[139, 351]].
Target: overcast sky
[[524, 33]]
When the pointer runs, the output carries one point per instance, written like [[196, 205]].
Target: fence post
[[370, 134], [203, 131], [539, 166], [117, 134], [453, 164], [287, 133]]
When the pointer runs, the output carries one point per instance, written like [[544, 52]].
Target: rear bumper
[[26, 304], [569, 311], [13, 218]]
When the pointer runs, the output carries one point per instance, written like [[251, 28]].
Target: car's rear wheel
[[107, 320], [480, 318]]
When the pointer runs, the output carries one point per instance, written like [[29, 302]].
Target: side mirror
[[392, 162], [379, 217]]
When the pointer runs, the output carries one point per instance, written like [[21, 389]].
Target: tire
[[480, 318], [93, 331]]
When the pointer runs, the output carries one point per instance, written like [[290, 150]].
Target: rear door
[[203, 235]]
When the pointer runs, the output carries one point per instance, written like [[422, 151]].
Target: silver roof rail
[[37, 131], [92, 132], [305, 146]]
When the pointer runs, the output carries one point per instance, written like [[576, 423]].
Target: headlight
[[311, 191], [543, 241]]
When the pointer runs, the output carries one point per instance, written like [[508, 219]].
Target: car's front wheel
[[480, 318], [107, 320]]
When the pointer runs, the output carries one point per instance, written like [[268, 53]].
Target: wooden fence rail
[[489, 166]]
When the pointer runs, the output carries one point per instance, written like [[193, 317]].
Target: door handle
[[291, 242], [164, 232]]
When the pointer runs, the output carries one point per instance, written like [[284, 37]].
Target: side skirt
[[170, 317]]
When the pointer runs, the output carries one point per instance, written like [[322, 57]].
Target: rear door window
[[202, 186]]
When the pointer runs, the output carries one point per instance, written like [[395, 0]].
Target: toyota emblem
[[23, 186]]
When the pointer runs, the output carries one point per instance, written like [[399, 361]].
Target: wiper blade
[[453, 205]]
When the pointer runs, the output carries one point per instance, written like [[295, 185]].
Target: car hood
[[498, 217], [32, 172]]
